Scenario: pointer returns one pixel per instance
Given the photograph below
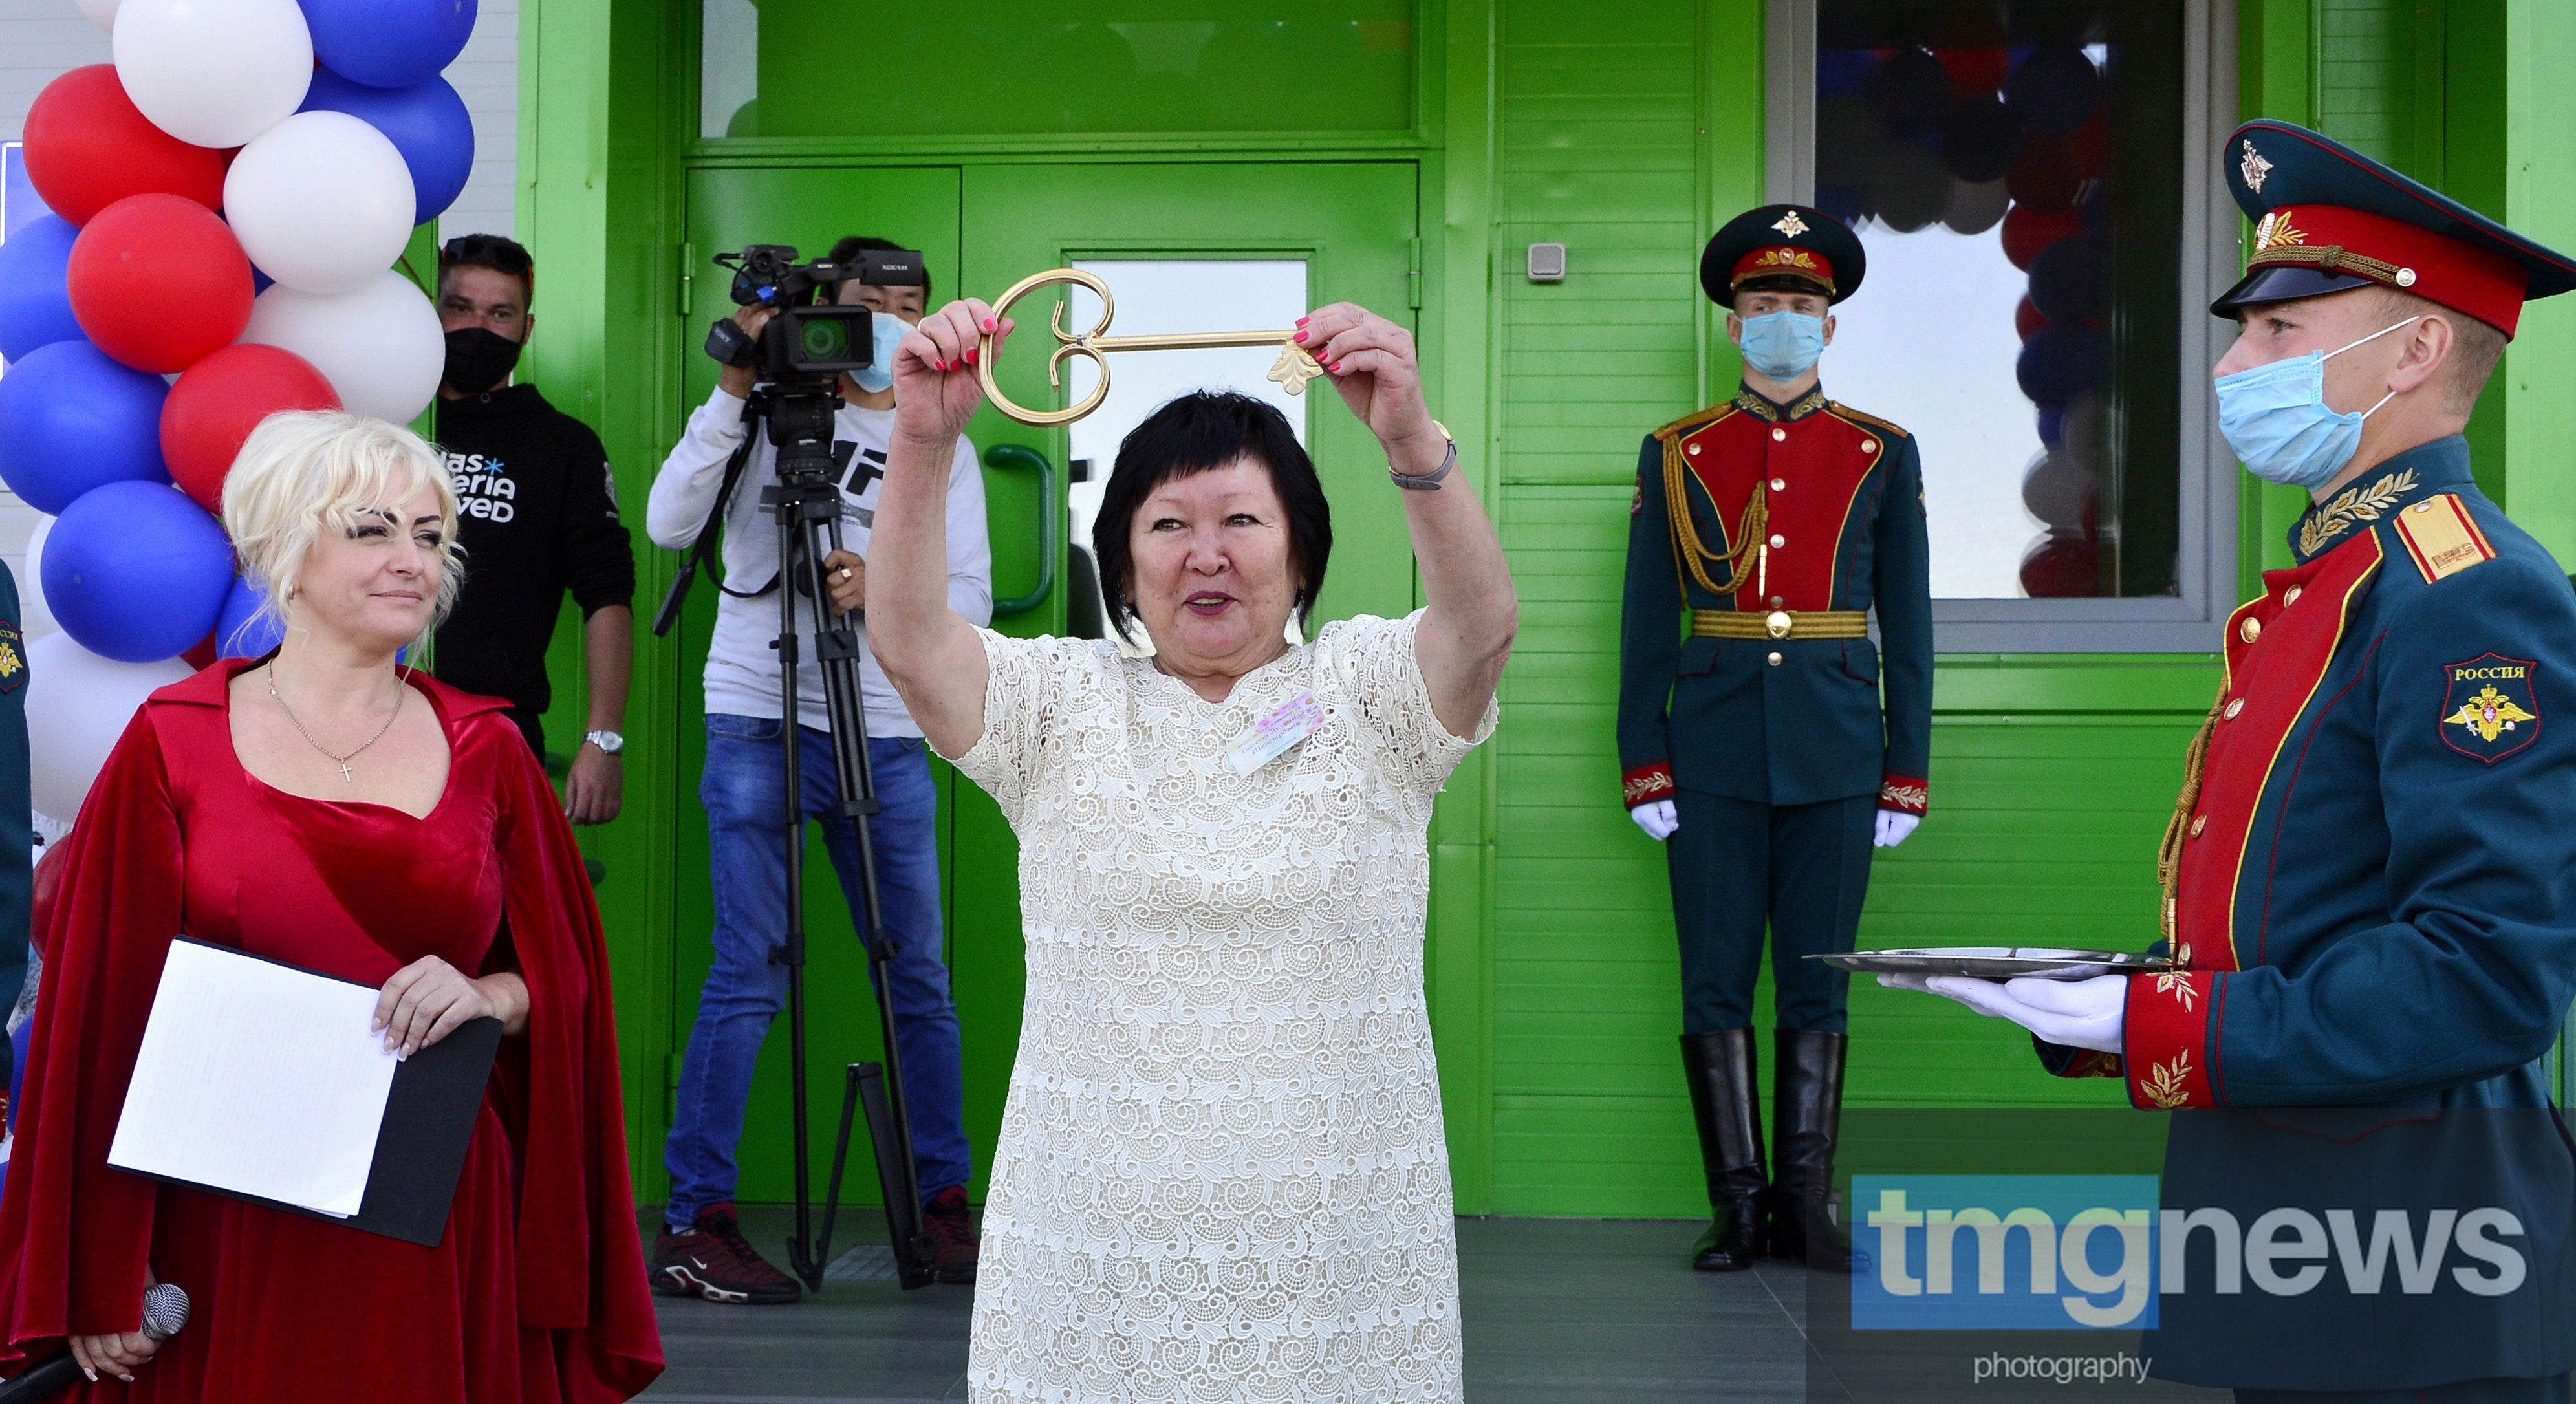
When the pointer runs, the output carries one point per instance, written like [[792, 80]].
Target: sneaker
[[951, 1227], [713, 1260]]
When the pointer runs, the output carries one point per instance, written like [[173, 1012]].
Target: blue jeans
[[745, 990]]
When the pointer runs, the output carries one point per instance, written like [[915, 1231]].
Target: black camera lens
[[825, 338]]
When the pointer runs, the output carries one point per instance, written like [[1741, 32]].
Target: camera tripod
[[806, 503]]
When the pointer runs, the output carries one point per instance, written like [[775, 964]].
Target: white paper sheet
[[257, 1079]]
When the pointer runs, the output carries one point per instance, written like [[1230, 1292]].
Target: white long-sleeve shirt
[[742, 668]]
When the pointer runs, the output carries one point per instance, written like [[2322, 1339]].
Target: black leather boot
[[1729, 1116], [1806, 1111]]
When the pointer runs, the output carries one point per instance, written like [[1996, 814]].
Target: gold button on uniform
[[2250, 630], [1779, 484], [2233, 708], [1869, 445], [2292, 597], [1776, 601], [1694, 449], [2198, 823], [1779, 541], [1779, 436], [1777, 624], [1775, 660]]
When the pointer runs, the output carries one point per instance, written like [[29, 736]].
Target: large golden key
[[1292, 371]]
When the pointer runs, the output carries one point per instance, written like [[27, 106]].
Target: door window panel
[[1157, 297], [787, 68]]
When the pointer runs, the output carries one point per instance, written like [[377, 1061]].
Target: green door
[[983, 228], [1352, 225]]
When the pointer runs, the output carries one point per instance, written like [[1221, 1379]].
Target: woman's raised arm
[[1472, 609], [929, 653]]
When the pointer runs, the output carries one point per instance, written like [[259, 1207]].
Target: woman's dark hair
[[1192, 434]]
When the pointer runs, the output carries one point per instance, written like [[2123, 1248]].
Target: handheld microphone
[[165, 1311]]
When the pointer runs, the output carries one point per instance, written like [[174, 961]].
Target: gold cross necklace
[[342, 761]]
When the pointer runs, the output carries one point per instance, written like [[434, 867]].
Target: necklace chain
[[342, 761]]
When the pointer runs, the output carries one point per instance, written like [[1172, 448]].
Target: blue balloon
[[35, 294], [241, 631], [137, 572], [71, 420], [426, 122], [2057, 364], [388, 43]]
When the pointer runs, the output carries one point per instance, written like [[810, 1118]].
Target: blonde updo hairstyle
[[303, 472]]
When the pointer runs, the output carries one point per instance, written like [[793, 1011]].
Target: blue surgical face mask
[[879, 377], [1783, 345], [2275, 417]]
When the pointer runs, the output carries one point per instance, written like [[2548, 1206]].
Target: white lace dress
[[1221, 1173]]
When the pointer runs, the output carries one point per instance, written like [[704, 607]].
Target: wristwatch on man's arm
[[608, 742]]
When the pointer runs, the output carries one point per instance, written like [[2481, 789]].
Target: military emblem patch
[[13, 657], [2492, 708]]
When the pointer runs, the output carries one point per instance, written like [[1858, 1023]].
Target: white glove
[[1895, 827], [2076, 1013], [1657, 819]]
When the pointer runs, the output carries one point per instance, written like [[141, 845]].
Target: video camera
[[811, 341]]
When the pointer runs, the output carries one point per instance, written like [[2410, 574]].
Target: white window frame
[[2191, 620]]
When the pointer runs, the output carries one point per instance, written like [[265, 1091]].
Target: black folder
[[421, 1144]]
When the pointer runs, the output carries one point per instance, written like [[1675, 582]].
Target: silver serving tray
[[1997, 962]]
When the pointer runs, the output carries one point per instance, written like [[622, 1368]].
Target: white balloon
[[35, 616], [77, 706], [322, 202], [381, 346], [101, 12], [213, 72]]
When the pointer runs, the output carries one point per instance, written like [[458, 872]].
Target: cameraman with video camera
[[702, 1251]]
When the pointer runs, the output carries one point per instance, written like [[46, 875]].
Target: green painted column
[[2539, 188], [598, 140]]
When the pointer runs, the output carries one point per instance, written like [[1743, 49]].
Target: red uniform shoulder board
[[2441, 538]]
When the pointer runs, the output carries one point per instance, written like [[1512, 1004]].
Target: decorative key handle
[[1292, 371]]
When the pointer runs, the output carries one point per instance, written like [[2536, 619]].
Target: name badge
[[1282, 727]]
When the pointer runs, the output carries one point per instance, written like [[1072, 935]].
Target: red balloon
[[2062, 565], [2025, 233], [2045, 176], [159, 281], [1975, 72], [2026, 321], [87, 148], [220, 400]]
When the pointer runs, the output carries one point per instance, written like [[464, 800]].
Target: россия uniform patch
[[2492, 708]]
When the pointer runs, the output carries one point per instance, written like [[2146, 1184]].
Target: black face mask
[[477, 358]]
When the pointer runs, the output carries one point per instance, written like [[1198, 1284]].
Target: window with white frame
[[2036, 187]]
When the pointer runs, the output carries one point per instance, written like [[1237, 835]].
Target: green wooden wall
[[1625, 131]]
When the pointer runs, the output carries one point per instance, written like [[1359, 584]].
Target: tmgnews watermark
[[2074, 1252]]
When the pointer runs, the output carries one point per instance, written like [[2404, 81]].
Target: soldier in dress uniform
[[2370, 875], [1763, 736]]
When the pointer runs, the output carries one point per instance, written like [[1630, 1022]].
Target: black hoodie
[[538, 516]]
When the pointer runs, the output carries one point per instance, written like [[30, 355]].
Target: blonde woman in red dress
[[328, 808]]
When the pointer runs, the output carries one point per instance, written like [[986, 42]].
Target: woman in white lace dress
[[1221, 1173]]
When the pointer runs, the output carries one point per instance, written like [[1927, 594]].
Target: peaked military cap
[[2329, 219], [1792, 246]]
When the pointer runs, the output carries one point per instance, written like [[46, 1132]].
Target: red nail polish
[[970, 358], [1303, 321], [990, 327], [1337, 368], [1299, 338]]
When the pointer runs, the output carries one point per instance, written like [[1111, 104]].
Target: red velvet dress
[[537, 1292]]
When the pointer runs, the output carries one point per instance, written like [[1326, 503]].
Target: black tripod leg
[[803, 1254], [890, 1131]]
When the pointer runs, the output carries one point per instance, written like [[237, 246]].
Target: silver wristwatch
[[608, 742], [1429, 482]]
